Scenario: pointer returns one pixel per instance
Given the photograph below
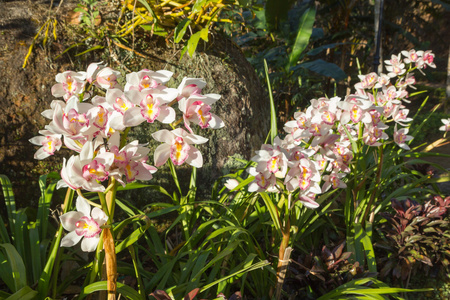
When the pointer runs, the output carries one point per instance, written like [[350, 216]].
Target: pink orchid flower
[[83, 225], [69, 84], [107, 78], [177, 146], [150, 105], [190, 86], [49, 141], [147, 79], [400, 137], [446, 126], [196, 109], [86, 172]]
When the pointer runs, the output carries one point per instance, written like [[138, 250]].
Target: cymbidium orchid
[[85, 171], [355, 109], [400, 137], [83, 225], [196, 109], [150, 105], [49, 141], [107, 78], [147, 79], [130, 161], [446, 126], [333, 180], [231, 183], [264, 181], [92, 71], [69, 84], [177, 145], [272, 159], [190, 86]]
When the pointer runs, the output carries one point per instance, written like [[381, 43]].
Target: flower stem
[[283, 257], [111, 263]]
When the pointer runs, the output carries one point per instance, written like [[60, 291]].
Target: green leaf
[[44, 203], [147, 6], [273, 114], [193, 42], [9, 201], [90, 49], [198, 5], [70, 47], [137, 185], [272, 210], [44, 280], [303, 35], [155, 29], [35, 252], [123, 289], [133, 237], [25, 293], [17, 266], [257, 266], [323, 68], [204, 34], [362, 237], [180, 30]]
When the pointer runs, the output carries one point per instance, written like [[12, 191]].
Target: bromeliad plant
[[417, 238], [94, 119], [339, 144]]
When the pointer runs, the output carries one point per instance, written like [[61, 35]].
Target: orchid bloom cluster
[[94, 128], [316, 153], [93, 119]]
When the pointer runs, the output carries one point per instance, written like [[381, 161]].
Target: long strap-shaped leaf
[[273, 116], [10, 205], [17, 266]]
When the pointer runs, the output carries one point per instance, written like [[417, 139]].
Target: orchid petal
[[69, 220], [83, 206], [194, 158], [163, 136], [166, 115], [161, 154], [133, 117], [70, 239], [90, 244]]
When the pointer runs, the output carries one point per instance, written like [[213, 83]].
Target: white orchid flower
[[49, 141], [196, 109], [69, 84], [400, 137], [147, 79], [446, 126], [83, 225], [177, 146]]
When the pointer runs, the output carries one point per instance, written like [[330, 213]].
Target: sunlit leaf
[[303, 35]]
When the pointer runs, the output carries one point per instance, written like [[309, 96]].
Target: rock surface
[[25, 93]]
